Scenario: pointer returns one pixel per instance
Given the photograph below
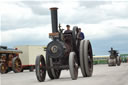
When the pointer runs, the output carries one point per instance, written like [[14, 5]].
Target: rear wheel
[[82, 58], [16, 64], [88, 58], [73, 66], [118, 61], [40, 68]]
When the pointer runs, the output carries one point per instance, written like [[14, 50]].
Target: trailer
[[28, 55], [9, 60]]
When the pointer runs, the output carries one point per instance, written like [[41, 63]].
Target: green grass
[[100, 61]]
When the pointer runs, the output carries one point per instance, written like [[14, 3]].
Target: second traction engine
[[114, 58]]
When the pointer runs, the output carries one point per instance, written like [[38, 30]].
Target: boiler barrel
[[54, 19]]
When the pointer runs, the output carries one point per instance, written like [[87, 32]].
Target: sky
[[104, 23]]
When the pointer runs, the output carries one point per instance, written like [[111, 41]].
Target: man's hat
[[67, 25]]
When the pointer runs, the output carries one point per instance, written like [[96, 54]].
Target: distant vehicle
[[9, 60], [114, 58], [64, 52], [29, 54]]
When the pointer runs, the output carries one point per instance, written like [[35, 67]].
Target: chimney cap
[[53, 8]]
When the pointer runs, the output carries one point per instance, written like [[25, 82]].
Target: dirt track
[[102, 75]]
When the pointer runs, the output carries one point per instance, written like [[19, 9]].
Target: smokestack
[[54, 19]]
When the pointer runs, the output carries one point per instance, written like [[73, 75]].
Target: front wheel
[[3, 68], [40, 67], [16, 65], [73, 66]]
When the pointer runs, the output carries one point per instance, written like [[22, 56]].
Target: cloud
[[10, 9], [116, 9], [93, 4], [26, 35], [29, 22], [36, 7], [105, 29], [18, 15], [36, 13]]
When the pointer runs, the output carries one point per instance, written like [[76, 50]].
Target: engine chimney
[[54, 19]]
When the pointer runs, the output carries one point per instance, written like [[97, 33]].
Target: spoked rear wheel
[[73, 66], [16, 64], [88, 58], [40, 68]]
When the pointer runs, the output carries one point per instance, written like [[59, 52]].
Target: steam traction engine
[[114, 58], [64, 52], [9, 60]]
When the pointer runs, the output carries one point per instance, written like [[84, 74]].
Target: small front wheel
[[40, 67]]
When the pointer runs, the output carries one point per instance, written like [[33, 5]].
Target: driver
[[68, 31]]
